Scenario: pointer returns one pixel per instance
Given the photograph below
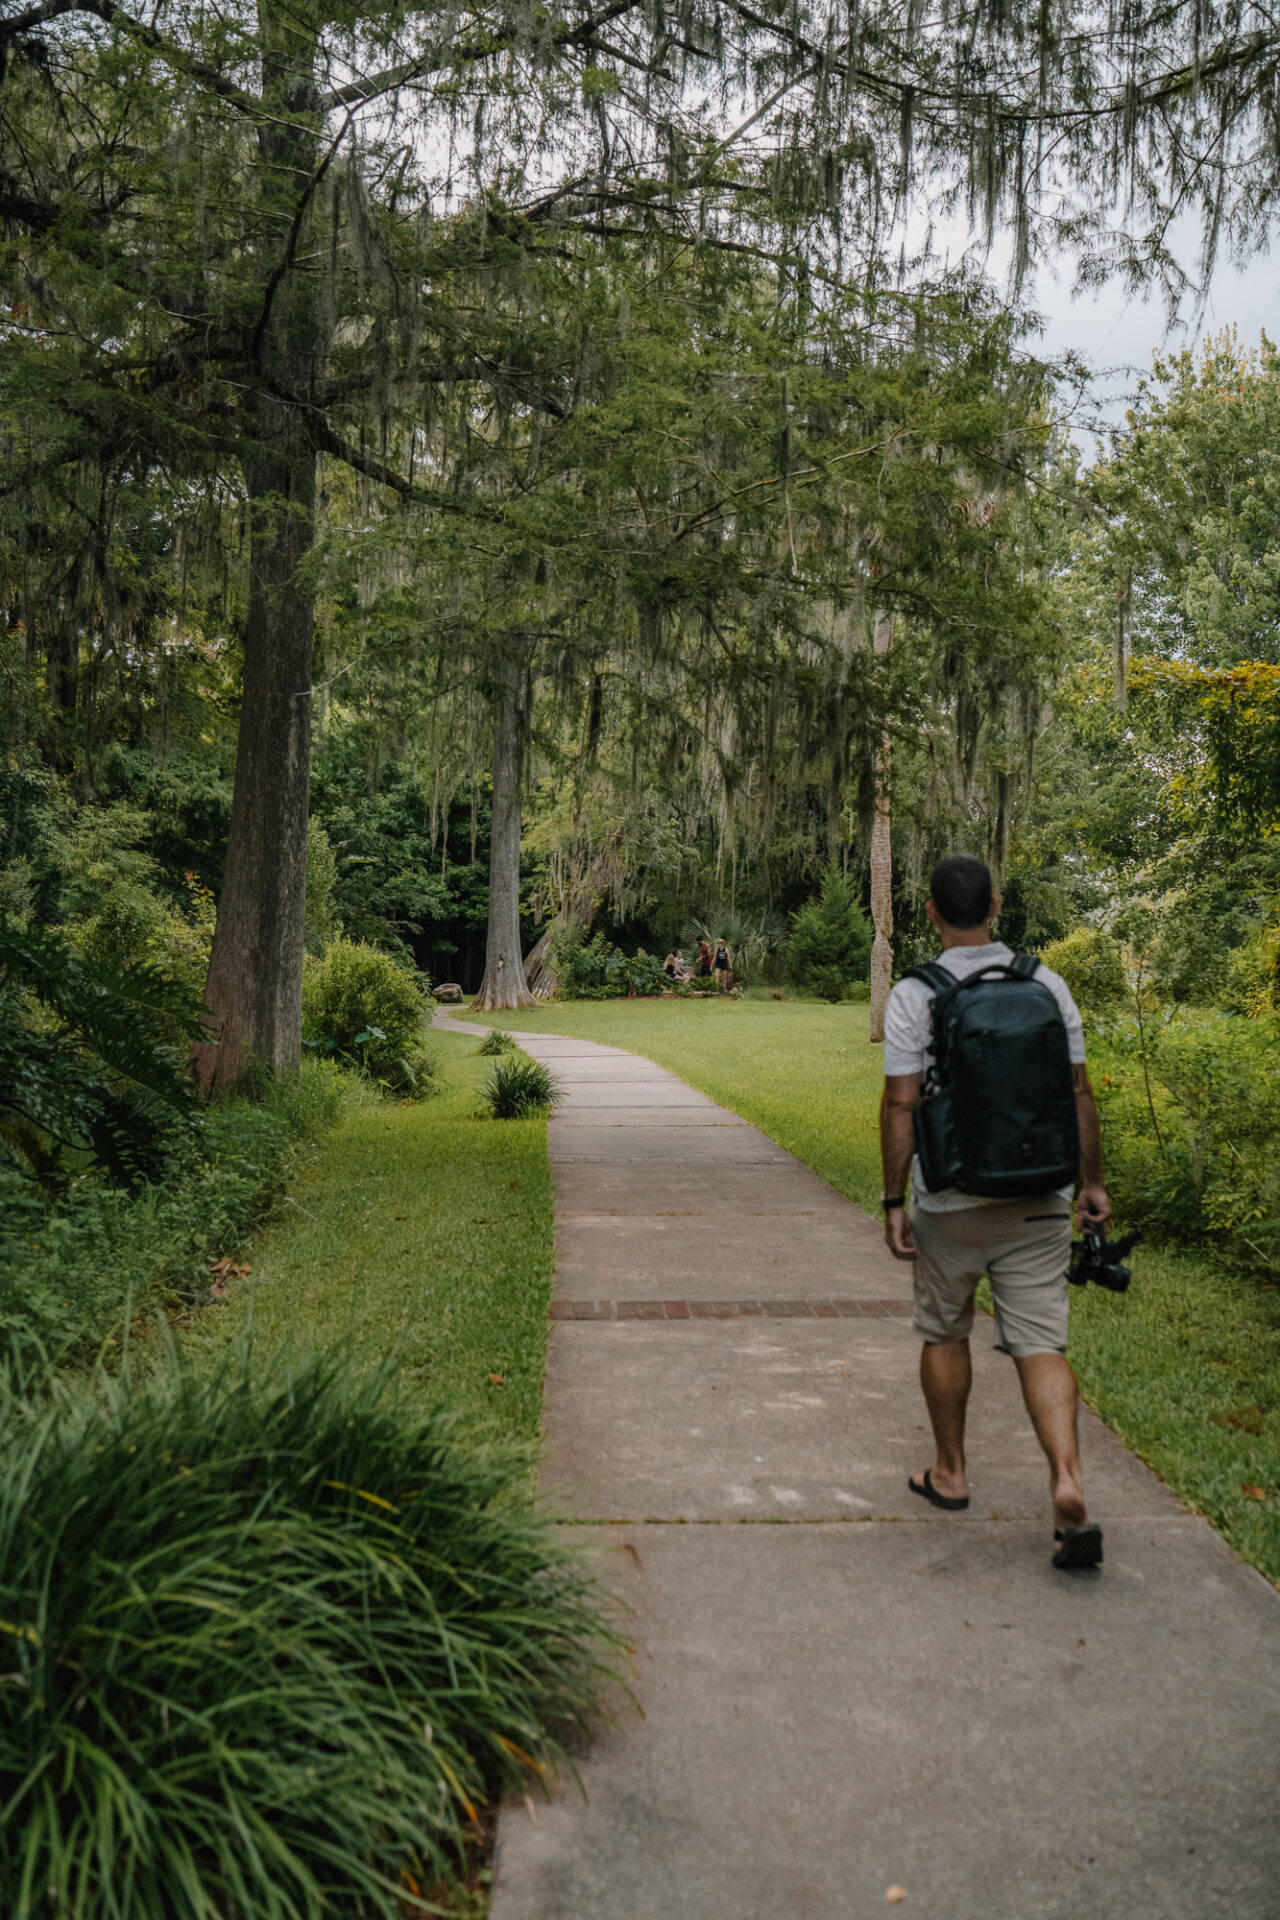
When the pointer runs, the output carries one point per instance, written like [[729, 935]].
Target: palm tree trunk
[[881, 855]]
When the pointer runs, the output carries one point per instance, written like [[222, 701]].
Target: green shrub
[[1191, 1114], [360, 1006], [830, 940], [1092, 964], [269, 1646], [518, 1088], [1252, 984], [496, 1041], [597, 970], [582, 967], [68, 1266]]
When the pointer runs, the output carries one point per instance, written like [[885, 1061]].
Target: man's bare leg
[[1052, 1397], [946, 1375]]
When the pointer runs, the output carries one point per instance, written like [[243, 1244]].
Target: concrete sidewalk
[[863, 1694]]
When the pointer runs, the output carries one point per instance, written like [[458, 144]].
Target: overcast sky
[[1118, 334]]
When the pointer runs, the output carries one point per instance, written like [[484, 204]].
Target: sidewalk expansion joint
[[824, 1309], [856, 1520]]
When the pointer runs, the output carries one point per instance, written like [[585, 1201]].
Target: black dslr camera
[[1103, 1263]]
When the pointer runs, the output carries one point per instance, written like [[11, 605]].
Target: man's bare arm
[[897, 1143], [1092, 1203]]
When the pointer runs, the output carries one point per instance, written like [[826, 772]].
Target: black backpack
[[997, 1117]]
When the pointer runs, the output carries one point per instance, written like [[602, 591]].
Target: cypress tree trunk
[[504, 983], [254, 987], [881, 856]]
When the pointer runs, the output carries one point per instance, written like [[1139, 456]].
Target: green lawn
[[1185, 1366], [424, 1229]]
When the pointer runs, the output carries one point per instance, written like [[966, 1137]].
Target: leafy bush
[[1092, 964], [89, 1062], [497, 1041], [359, 1005], [269, 1646], [518, 1088], [642, 973], [1252, 983], [830, 939], [597, 970], [1191, 1114], [68, 1266]]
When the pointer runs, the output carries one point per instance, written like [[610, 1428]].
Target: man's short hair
[[960, 886]]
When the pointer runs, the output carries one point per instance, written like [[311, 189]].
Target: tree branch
[[113, 16], [328, 441], [360, 92]]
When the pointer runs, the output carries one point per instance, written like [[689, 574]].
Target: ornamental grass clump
[[497, 1041], [517, 1089], [268, 1648]]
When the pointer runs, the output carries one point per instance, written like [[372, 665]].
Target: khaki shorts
[[1025, 1248]]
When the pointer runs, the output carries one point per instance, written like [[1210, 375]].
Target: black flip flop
[[1081, 1546], [930, 1493]]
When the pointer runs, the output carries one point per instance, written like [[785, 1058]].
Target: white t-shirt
[[908, 1045]]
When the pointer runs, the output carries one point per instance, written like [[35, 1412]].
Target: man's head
[[960, 892]]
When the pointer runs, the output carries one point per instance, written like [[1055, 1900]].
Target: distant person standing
[[704, 959], [722, 966]]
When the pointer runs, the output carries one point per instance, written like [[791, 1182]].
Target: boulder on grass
[[448, 990]]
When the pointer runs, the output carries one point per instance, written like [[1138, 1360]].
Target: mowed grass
[[1185, 1366], [802, 1071], [421, 1230]]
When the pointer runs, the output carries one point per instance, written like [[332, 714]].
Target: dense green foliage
[[272, 1639], [595, 969], [1191, 1110], [89, 1073], [1092, 963], [73, 1268]]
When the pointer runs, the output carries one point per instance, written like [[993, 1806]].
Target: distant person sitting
[[669, 968], [722, 966]]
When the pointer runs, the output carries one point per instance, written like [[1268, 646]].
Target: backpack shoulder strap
[[1023, 965], [939, 978]]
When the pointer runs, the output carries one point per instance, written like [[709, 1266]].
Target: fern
[[91, 1061]]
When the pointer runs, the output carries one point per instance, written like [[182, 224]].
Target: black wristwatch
[[889, 1202]]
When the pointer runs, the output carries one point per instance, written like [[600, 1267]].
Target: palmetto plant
[[90, 1060], [267, 1645], [755, 941]]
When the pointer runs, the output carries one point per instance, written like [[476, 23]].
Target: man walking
[[954, 1237]]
